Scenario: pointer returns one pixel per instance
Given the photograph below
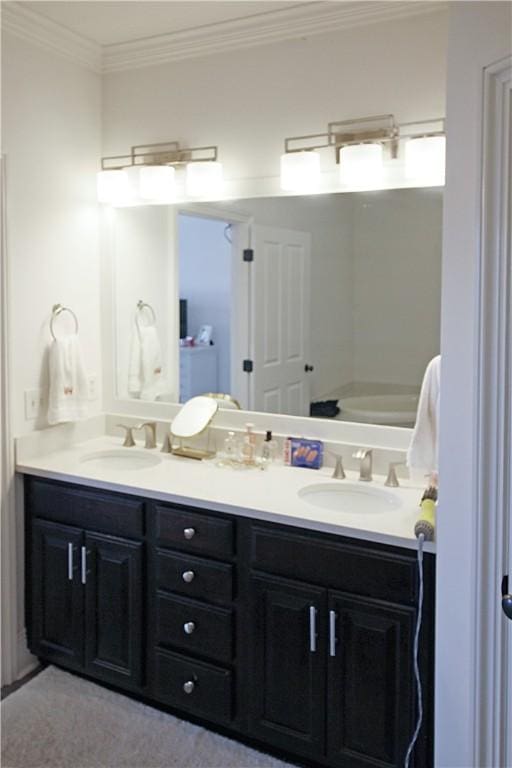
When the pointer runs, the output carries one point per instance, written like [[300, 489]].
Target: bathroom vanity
[[296, 640]]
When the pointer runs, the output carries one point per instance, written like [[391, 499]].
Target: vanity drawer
[[94, 510], [184, 529], [194, 627], [194, 576], [209, 688], [361, 570]]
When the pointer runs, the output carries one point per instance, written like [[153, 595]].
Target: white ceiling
[[109, 22]]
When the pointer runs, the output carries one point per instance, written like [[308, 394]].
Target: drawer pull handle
[[189, 533], [189, 686], [188, 576], [189, 627]]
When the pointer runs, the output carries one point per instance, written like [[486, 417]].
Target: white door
[[280, 321]]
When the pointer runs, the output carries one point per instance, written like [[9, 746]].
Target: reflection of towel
[[423, 450], [68, 383], [145, 378]]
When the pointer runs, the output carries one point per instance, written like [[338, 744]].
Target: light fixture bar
[[162, 153], [306, 142]]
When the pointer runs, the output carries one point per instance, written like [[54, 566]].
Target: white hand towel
[[68, 394], [424, 447], [145, 377]]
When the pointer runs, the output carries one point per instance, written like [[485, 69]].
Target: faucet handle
[[392, 478], [167, 443], [339, 472], [129, 442]]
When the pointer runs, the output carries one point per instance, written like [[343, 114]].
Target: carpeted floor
[[58, 720]]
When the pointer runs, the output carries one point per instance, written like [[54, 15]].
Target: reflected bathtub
[[395, 410]]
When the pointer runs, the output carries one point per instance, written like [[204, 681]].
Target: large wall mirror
[[337, 315]]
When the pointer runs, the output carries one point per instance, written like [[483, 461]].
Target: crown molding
[[295, 21], [305, 19], [39, 30]]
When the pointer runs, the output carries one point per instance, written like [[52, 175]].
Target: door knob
[[189, 533], [309, 368], [189, 686], [189, 627], [506, 598]]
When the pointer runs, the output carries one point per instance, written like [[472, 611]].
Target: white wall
[[397, 284], [205, 281], [248, 101], [51, 113], [51, 123], [479, 36]]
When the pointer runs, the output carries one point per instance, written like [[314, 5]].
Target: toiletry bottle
[[249, 445], [268, 448], [230, 447]]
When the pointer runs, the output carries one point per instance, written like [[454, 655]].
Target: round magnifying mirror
[[194, 416]]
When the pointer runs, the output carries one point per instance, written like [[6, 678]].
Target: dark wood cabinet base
[[297, 643]]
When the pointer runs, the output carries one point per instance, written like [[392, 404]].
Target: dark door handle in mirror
[[506, 599], [308, 368]]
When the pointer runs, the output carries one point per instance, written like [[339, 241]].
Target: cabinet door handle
[[332, 633], [189, 686], [189, 533], [84, 565], [312, 628], [189, 627], [70, 561]]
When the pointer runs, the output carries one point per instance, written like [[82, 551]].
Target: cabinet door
[[113, 572], [287, 687], [57, 630], [370, 683]]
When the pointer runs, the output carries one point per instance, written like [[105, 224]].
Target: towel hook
[[141, 306], [57, 309]]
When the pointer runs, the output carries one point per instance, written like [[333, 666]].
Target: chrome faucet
[[365, 456], [129, 442], [149, 433]]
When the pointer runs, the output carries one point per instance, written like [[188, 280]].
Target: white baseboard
[[26, 662]]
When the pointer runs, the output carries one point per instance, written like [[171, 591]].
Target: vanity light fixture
[[425, 157], [360, 146], [300, 171], [148, 173], [204, 179]]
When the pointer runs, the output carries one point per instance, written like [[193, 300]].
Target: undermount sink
[[123, 459], [356, 499]]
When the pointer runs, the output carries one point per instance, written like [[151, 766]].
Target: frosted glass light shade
[[157, 183], [112, 186], [300, 171], [425, 159], [361, 165], [204, 179]]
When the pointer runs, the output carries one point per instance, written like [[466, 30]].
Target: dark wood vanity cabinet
[[332, 665], [299, 642], [84, 589]]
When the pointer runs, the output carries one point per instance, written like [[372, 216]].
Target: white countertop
[[265, 495]]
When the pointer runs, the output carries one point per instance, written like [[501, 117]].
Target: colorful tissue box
[[305, 453]]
